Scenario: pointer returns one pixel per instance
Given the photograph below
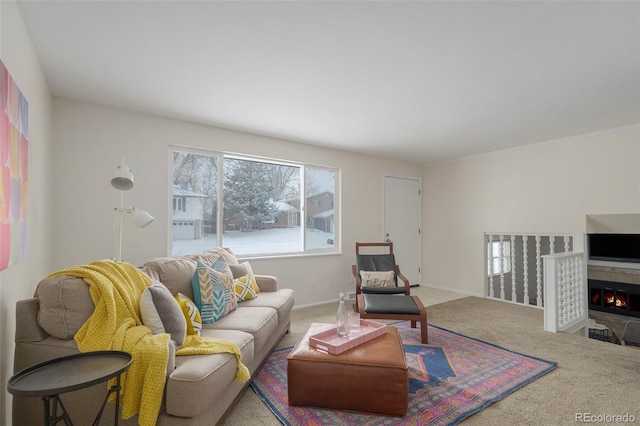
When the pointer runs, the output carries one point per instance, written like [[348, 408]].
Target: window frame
[[304, 167], [179, 204], [506, 258], [336, 211]]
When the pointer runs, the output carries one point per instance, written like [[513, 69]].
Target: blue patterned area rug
[[451, 378]]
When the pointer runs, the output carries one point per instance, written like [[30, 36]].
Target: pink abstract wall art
[[14, 151]]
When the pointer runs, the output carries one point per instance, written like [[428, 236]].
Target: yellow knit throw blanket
[[116, 324]]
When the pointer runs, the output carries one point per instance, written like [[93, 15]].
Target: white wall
[[90, 140], [543, 188], [19, 281]]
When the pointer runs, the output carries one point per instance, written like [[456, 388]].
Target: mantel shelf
[[614, 274]]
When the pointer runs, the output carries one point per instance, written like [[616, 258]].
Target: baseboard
[[453, 290], [309, 305], [351, 295]]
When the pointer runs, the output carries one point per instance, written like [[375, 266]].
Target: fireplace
[[615, 298]]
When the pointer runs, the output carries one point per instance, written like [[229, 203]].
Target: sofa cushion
[[209, 256], [237, 270], [161, 312], [282, 301], [261, 322], [150, 272], [200, 379], [65, 305], [213, 291], [191, 314], [174, 272]]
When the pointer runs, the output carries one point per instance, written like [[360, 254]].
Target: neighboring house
[[188, 214], [320, 211], [323, 221], [288, 215]]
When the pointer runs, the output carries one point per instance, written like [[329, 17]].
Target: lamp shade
[[122, 178], [141, 218]]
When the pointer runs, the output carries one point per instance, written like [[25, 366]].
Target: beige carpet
[[592, 377]]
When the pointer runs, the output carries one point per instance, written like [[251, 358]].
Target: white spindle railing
[[558, 284], [566, 306], [514, 271], [490, 270]]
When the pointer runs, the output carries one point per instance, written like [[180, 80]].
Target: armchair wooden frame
[[399, 276]]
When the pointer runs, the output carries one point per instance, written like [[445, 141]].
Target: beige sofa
[[199, 389]]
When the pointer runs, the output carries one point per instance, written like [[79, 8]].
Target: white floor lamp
[[123, 181]]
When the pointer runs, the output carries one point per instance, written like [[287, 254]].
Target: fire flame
[[620, 301]]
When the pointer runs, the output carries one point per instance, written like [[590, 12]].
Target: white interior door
[[402, 223]]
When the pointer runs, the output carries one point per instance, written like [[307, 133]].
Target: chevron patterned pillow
[[213, 291]]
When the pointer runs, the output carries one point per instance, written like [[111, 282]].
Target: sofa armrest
[[267, 282], [27, 328]]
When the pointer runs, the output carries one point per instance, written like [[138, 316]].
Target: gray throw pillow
[[161, 312]]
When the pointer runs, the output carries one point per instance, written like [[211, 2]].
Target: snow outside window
[[253, 206]]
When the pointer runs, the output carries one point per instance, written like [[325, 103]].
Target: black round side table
[[54, 377]]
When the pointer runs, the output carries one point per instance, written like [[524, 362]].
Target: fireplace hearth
[[613, 297]]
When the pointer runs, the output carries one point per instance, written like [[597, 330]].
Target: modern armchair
[[378, 273]]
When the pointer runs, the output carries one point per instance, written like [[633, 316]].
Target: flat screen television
[[614, 247]]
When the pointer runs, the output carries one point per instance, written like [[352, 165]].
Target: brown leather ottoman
[[370, 378]]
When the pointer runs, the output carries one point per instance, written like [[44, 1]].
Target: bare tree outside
[[195, 177], [285, 181]]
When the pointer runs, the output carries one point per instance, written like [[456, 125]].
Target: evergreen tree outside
[[248, 194]]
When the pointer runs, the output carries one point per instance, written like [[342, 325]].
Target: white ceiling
[[424, 81]]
